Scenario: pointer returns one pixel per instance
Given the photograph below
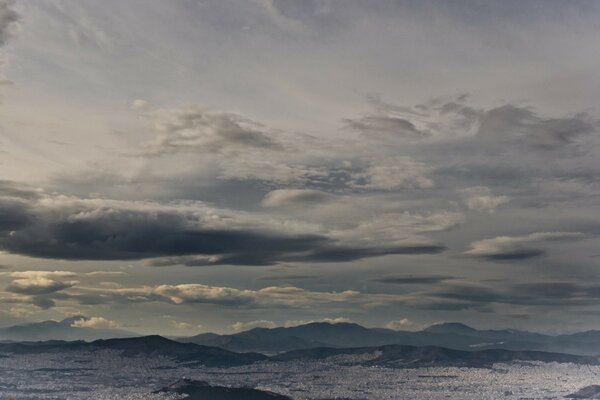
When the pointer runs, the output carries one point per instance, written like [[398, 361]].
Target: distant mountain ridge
[[336, 335], [450, 335], [394, 356], [60, 330]]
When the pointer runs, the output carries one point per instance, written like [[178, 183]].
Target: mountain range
[[396, 356], [272, 341], [450, 335]]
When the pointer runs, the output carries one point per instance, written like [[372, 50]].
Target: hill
[[411, 356], [151, 346]]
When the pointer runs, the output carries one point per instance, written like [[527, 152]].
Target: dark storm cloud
[[520, 254], [101, 240], [15, 201], [414, 279], [14, 214], [76, 229]]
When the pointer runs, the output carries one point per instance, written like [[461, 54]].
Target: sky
[[186, 166]]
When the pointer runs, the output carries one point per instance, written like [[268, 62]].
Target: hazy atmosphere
[[187, 166]]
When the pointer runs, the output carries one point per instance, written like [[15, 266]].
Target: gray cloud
[[288, 277], [393, 173], [386, 127], [517, 247], [8, 19], [481, 198], [318, 250], [543, 293], [43, 302], [268, 297], [35, 283], [509, 123], [497, 127], [71, 228], [295, 198], [199, 130], [414, 279]]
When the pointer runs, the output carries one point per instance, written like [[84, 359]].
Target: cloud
[[43, 302], [393, 173], [35, 286], [17, 190], [437, 119], [286, 296], [480, 198], [528, 294], [43, 274], [414, 279], [244, 326], [39, 282], [248, 167], [70, 228], [509, 123], [197, 130], [185, 325], [400, 229], [195, 293], [106, 273], [95, 323], [336, 320], [505, 125], [279, 18], [386, 127], [517, 247], [64, 227], [14, 214], [295, 198], [403, 324], [8, 20], [284, 277]]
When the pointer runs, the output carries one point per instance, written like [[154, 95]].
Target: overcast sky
[[184, 166]]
